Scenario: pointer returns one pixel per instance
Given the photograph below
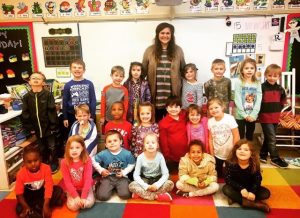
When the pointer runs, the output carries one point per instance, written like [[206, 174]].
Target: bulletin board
[[292, 49], [60, 51], [17, 54]]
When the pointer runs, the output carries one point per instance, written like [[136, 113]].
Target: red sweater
[[124, 128], [35, 181], [173, 137], [77, 177]]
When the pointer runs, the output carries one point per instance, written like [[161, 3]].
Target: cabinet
[[10, 159]]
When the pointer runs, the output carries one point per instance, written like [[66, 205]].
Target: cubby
[[11, 159]]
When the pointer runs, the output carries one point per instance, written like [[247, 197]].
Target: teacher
[[163, 63]]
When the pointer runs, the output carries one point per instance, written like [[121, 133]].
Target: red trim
[[29, 24], [287, 41]]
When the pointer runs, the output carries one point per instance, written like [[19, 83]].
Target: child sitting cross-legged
[[151, 173], [197, 174]]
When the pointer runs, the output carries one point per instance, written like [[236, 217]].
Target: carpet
[[284, 185]]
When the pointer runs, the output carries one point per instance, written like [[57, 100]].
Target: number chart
[[244, 43], [60, 51]]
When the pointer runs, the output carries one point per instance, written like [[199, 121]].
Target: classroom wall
[[109, 43]]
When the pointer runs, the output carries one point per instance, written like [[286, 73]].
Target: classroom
[[182, 76]]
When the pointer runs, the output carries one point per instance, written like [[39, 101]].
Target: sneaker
[[135, 196], [263, 159], [182, 194], [54, 168], [278, 162], [166, 197]]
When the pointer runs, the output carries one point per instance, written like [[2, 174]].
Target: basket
[[289, 121]]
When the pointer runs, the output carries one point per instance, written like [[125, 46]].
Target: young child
[[77, 91], [196, 126], [34, 188], [247, 98], [219, 86], [274, 97], [172, 133], [112, 93], [146, 123], [63, 133], [40, 118], [223, 133], [86, 128], [113, 164], [119, 123], [138, 90], [192, 91], [77, 170], [151, 173], [243, 178], [197, 173]]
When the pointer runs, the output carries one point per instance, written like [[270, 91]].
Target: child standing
[[138, 90], [146, 123], [192, 91], [219, 86], [34, 188], [197, 126], [62, 135], [113, 163], [151, 173], [86, 128], [197, 174], [247, 98], [223, 133], [40, 118], [243, 178], [77, 91], [112, 93], [172, 133], [77, 171], [119, 123], [274, 97]]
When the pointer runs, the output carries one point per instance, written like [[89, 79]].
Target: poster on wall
[[293, 4], [17, 54], [211, 5], [260, 4], [291, 52], [60, 51], [243, 5], [278, 4], [226, 5]]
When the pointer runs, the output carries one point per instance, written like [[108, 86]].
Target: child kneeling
[[113, 164], [77, 170], [151, 173], [197, 174]]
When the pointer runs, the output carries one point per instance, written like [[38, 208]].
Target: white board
[[105, 44]]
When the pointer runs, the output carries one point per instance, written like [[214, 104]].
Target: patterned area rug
[[284, 185]]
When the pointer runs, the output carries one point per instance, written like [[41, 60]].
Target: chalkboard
[[292, 49], [60, 51], [17, 55]]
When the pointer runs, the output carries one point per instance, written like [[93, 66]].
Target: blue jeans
[[269, 144]]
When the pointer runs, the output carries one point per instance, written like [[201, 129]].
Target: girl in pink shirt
[[197, 126], [76, 169]]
